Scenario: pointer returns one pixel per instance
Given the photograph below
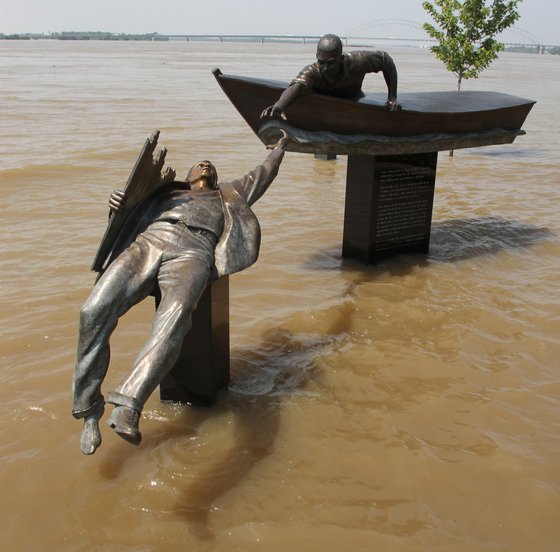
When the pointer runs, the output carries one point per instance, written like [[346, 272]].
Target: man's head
[[203, 176], [329, 55]]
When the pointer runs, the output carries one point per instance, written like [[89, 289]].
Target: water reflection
[[506, 151], [262, 377], [324, 170], [450, 241], [460, 239], [255, 426]]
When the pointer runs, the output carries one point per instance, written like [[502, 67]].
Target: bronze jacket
[[238, 246]]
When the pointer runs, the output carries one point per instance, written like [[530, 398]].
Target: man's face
[[203, 176], [329, 64]]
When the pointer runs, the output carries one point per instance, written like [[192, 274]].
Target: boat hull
[[424, 113]]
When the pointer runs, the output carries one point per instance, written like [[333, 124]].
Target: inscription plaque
[[389, 201]]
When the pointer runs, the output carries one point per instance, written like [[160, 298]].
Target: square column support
[[388, 208], [203, 366]]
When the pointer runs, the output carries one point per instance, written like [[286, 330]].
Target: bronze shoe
[[124, 421], [91, 437]]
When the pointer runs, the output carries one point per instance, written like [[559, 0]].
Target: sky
[[539, 18]]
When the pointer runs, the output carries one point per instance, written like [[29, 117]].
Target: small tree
[[466, 31]]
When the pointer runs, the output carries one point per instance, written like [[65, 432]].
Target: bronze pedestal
[[388, 206], [203, 366]]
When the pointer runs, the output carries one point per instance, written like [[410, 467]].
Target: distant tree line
[[90, 35]]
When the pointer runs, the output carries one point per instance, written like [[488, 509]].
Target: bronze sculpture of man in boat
[[338, 74]]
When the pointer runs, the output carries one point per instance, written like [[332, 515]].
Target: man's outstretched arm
[[289, 95], [255, 183]]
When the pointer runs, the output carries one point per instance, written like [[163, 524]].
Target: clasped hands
[[282, 141]]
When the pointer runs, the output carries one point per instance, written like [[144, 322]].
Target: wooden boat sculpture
[[428, 121]]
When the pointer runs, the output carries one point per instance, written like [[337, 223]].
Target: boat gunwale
[[372, 100]]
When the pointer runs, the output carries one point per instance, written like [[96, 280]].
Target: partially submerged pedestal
[[388, 207], [203, 367]]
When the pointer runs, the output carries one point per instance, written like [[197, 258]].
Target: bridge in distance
[[352, 41], [369, 32]]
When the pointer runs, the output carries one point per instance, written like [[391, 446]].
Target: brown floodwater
[[413, 405]]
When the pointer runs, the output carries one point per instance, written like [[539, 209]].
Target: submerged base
[[388, 209], [203, 366]]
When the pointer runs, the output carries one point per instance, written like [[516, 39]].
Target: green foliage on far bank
[[85, 35]]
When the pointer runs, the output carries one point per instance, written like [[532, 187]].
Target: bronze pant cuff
[[118, 399], [96, 408]]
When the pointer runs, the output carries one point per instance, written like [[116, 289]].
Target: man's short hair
[[330, 44]]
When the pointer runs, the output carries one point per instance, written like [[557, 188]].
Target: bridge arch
[[369, 25], [363, 30]]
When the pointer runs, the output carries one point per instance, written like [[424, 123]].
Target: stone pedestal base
[[203, 366], [388, 209]]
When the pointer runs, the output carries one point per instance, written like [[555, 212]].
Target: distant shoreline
[[262, 39], [101, 35]]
